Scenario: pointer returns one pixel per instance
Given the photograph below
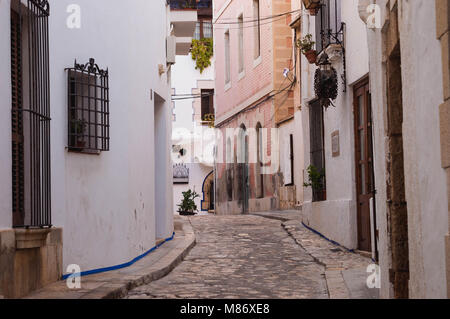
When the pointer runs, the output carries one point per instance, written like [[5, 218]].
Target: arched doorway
[[207, 203]]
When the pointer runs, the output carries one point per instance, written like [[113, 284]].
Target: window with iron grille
[[328, 24], [30, 114], [317, 149], [88, 108]]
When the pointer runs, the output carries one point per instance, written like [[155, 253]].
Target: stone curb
[[337, 288], [116, 284]]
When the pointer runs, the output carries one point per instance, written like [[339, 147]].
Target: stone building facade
[[409, 84], [336, 133]]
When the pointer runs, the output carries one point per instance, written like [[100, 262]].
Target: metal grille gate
[[31, 116]]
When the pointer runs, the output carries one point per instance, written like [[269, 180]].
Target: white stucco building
[[335, 143], [193, 116], [409, 72], [99, 193]]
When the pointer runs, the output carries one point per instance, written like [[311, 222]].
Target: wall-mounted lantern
[[326, 82]]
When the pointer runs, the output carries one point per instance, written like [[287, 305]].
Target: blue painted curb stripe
[[100, 270], [331, 241]]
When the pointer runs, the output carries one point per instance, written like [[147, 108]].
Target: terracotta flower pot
[[314, 11], [311, 56]]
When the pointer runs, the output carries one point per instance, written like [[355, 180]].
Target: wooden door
[[364, 163]]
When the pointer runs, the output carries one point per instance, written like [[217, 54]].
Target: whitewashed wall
[[106, 203], [336, 217], [425, 182], [5, 117]]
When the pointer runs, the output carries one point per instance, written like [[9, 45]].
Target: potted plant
[[79, 127], [187, 206], [316, 182], [306, 45], [313, 6]]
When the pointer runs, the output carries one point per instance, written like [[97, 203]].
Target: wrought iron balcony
[[190, 4], [183, 4]]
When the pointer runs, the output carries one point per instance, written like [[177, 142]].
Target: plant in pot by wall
[[79, 128], [313, 6], [187, 206], [306, 45], [316, 182], [202, 52]]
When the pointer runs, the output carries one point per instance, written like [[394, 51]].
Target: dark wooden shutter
[[316, 135], [207, 103], [317, 149], [17, 122]]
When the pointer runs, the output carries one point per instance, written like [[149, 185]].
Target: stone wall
[[29, 260], [443, 34]]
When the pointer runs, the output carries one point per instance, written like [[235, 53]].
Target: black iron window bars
[[329, 27], [30, 115], [331, 30], [88, 108]]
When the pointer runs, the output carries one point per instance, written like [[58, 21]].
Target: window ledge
[[257, 61], [227, 86]]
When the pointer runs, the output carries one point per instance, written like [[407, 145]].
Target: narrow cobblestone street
[[241, 257]]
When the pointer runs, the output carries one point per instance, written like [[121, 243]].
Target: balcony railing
[[190, 4], [183, 4]]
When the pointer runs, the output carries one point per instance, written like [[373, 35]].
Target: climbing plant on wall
[[202, 52]]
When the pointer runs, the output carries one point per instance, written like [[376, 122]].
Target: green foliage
[[315, 178], [202, 51], [80, 126], [306, 44], [188, 203]]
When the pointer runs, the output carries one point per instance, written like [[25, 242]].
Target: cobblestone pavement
[[241, 257]]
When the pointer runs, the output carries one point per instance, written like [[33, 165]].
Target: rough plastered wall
[[443, 30], [425, 180], [378, 89], [425, 183]]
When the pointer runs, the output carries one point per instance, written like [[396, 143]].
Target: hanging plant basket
[[311, 56], [326, 86]]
